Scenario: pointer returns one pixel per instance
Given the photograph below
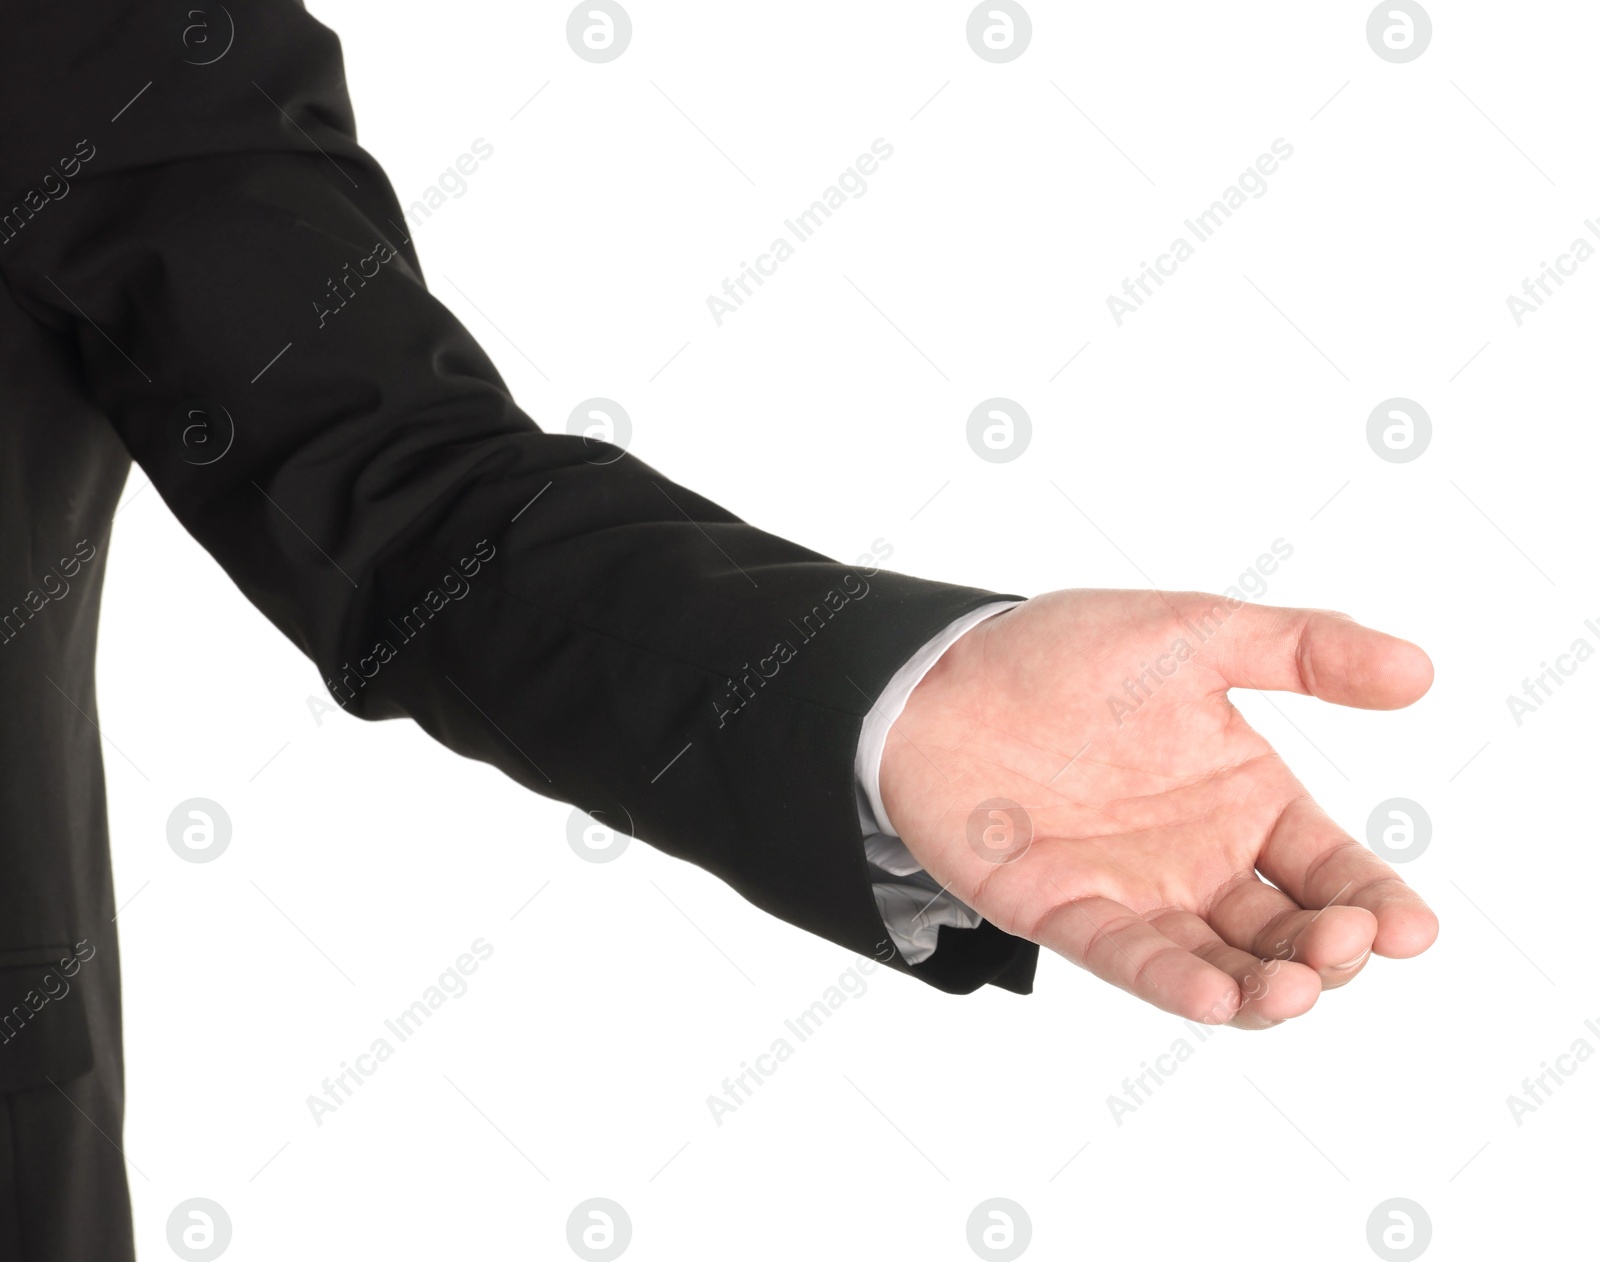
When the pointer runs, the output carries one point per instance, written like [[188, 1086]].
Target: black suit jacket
[[200, 267]]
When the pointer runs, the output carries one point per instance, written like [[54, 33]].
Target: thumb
[[1313, 652]]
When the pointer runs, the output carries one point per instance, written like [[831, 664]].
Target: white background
[[830, 409]]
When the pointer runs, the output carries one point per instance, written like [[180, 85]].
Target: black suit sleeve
[[234, 272]]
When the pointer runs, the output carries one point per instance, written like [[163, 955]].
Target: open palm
[[1074, 770]]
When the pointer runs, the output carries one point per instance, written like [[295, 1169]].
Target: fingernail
[[1339, 968]]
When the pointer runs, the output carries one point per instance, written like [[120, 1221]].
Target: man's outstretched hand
[[1074, 771]]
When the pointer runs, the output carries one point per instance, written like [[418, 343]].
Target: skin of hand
[[1129, 826]]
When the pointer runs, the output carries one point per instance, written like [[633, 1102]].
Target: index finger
[[1317, 863]]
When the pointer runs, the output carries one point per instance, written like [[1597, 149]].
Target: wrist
[[932, 720]]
